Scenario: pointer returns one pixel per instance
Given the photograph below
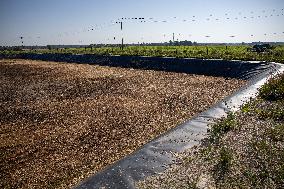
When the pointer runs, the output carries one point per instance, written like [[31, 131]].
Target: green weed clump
[[276, 133], [273, 90], [225, 125], [275, 113], [224, 163]]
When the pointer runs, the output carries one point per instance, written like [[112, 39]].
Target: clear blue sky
[[43, 22]]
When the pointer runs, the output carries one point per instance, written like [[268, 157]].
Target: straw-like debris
[[61, 122]]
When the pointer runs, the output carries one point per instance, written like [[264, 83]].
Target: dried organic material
[[62, 122]]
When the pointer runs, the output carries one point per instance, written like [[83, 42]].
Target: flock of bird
[[240, 16]]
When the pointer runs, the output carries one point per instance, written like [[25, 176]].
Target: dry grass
[[61, 122]]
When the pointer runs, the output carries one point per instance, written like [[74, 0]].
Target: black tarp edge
[[215, 67], [157, 155]]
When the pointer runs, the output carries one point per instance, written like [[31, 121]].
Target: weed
[[246, 108], [224, 126], [207, 153], [273, 90], [275, 113], [224, 164], [276, 133]]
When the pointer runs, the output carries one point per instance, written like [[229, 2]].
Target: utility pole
[[22, 41], [173, 37], [122, 36]]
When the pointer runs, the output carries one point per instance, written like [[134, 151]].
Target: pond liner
[[155, 156], [158, 154], [218, 68]]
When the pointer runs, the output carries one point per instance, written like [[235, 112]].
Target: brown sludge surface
[[61, 122]]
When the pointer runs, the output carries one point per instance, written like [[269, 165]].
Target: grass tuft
[[273, 90], [222, 127], [224, 163]]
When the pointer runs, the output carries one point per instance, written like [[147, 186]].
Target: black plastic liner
[[221, 68], [157, 155]]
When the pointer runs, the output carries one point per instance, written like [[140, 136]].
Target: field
[[62, 122], [202, 52]]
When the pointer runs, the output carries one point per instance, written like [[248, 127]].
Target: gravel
[[62, 122]]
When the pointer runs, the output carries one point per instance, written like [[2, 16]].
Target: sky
[[52, 22]]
